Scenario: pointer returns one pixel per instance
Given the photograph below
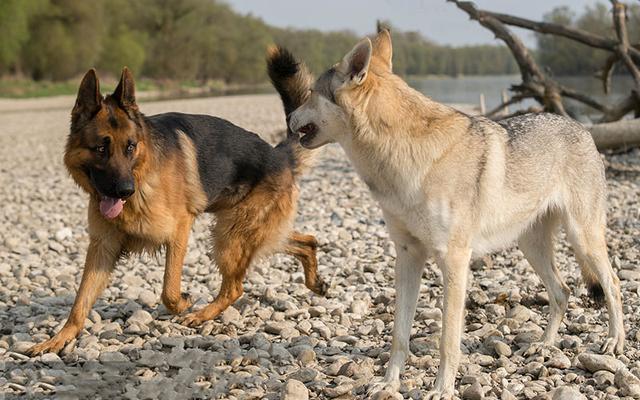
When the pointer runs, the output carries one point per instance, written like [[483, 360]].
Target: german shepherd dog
[[452, 186], [149, 177]]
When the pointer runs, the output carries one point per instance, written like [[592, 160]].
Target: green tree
[[14, 30], [65, 39], [124, 43]]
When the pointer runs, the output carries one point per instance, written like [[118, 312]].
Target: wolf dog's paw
[[613, 344], [381, 389], [439, 395], [537, 348]]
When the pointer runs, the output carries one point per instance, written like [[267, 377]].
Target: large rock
[[294, 390], [113, 357], [567, 393], [473, 392], [141, 317], [599, 362], [628, 383]]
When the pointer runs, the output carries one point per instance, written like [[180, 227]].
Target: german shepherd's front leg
[[102, 255], [172, 296]]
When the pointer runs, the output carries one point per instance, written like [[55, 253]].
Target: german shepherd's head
[[106, 151], [323, 118]]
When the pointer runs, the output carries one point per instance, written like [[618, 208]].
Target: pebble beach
[[281, 341]]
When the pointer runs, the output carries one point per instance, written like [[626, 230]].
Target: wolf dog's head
[[106, 151], [323, 118]]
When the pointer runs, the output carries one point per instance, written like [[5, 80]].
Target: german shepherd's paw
[[180, 306], [320, 288], [195, 319], [53, 345]]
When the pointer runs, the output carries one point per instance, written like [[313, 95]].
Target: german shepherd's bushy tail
[[292, 80]]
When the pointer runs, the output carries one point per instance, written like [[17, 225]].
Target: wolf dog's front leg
[[408, 274], [455, 270], [172, 296], [102, 255]]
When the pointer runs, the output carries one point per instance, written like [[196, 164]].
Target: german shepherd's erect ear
[[355, 65], [125, 93], [383, 50], [89, 99]]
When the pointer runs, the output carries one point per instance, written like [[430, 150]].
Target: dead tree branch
[[579, 35], [546, 91], [534, 82]]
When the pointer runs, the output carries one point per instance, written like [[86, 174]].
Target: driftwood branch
[[607, 71], [623, 49], [625, 133], [513, 100]]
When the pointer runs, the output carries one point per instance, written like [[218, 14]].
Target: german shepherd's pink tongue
[[111, 207]]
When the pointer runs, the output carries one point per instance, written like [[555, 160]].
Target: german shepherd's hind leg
[[172, 296], [258, 225], [587, 237], [303, 248], [233, 256], [101, 258], [537, 245]]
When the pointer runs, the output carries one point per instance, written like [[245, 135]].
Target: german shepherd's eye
[[101, 149], [131, 147]]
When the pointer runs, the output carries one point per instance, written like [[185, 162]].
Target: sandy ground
[[280, 340]]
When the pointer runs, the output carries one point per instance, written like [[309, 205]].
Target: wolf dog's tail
[[292, 80]]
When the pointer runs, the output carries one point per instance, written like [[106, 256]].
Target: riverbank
[[279, 338]]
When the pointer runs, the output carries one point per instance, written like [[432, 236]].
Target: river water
[[467, 89]]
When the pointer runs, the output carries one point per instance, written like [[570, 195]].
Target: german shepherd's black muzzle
[[112, 185]]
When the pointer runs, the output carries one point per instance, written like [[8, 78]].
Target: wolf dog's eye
[[131, 147], [101, 149]]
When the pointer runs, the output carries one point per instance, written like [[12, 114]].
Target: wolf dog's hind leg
[[537, 245], [455, 272], [587, 238]]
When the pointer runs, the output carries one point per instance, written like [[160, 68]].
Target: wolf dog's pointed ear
[[382, 48], [89, 99], [125, 92], [355, 65]]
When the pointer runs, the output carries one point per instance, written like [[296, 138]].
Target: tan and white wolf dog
[[453, 186]]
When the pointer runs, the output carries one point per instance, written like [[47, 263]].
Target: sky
[[438, 20]]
